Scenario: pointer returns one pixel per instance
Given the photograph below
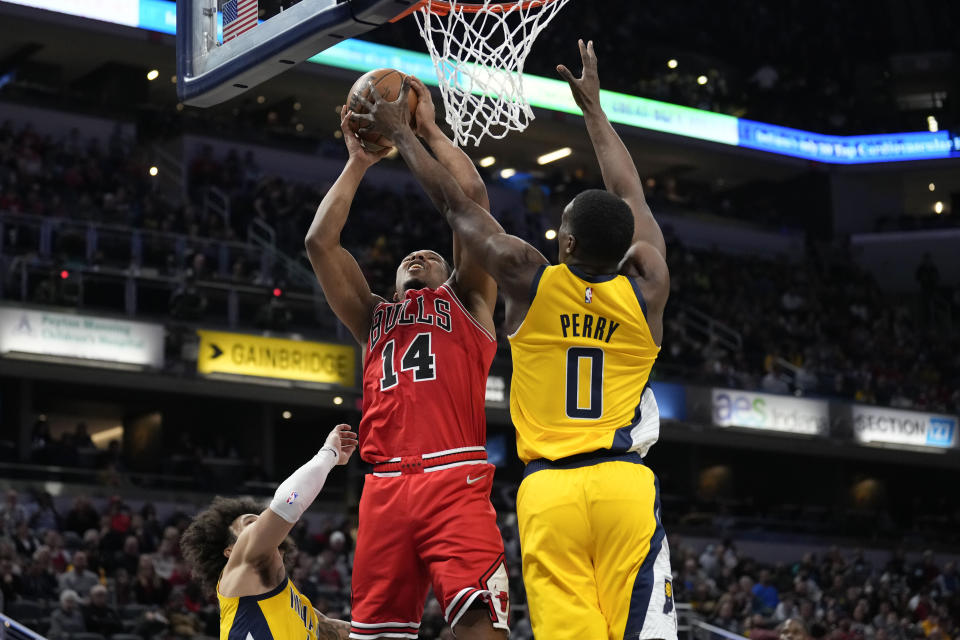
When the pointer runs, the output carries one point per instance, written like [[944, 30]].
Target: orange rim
[[443, 7]]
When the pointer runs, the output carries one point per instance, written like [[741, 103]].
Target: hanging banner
[[260, 357]]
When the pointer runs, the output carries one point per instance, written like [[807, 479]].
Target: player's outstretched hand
[[425, 117], [383, 116], [354, 148], [343, 441], [586, 88]]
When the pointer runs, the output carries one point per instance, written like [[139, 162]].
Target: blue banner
[[671, 400], [550, 93]]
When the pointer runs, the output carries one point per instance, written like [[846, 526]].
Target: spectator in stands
[[148, 587], [99, 616], [59, 557], [187, 301], [67, 619], [12, 513], [81, 437], [78, 577], [183, 622], [39, 579], [129, 557], [25, 542], [10, 582], [167, 554], [948, 582], [765, 594], [82, 517], [45, 518], [793, 629]]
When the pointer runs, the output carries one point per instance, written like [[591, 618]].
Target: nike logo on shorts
[[472, 480]]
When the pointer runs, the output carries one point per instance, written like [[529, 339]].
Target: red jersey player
[[425, 513]]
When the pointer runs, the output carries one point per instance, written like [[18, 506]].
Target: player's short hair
[[602, 223], [209, 534]]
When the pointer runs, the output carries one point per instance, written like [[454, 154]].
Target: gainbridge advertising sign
[[768, 412], [261, 357], [896, 427]]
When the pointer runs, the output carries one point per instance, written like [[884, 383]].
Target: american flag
[[239, 16]]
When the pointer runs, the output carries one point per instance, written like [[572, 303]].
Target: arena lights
[[672, 63], [337, 400], [701, 80], [932, 124], [488, 161], [550, 234], [297, 106], [153, 74], [932, 187], [938, 207], [548, 93], [286, 415], [153, 171], [261, 99], [506, 174], [553, 156]]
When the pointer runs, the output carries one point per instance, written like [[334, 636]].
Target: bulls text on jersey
[[410, 311]]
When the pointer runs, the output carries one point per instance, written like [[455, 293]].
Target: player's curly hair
[[203, 542]]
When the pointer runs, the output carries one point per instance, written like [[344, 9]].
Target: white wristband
[[298, 492]]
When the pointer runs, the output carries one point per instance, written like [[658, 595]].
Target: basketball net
[[479, 52]]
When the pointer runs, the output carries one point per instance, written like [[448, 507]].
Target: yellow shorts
[[595, 558]]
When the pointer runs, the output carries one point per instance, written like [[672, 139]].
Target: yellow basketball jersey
[[281, 614], [581, 362]]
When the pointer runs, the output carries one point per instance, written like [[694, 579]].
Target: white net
[[479, 59]]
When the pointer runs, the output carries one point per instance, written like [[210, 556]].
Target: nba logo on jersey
[[588, 295], [293, 496]]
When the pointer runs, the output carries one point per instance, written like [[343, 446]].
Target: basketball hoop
[[479, 49]]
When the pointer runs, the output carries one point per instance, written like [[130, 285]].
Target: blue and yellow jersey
[[581, 363], [280, 614]]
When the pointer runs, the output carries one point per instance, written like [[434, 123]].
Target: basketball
[[387, 83]]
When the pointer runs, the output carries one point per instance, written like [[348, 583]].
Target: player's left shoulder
[[473, 303], [645, 265]]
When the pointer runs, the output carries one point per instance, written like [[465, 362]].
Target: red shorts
[[427, 529]]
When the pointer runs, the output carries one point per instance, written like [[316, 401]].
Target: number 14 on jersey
[[418, 357]]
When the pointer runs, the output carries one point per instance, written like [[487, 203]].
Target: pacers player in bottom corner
[[596, 563], [238, 551]]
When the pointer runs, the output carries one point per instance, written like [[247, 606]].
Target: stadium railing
[[700, 630], [10, 629]]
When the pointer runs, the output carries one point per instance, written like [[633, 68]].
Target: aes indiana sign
[[769, 412], [873, 425]]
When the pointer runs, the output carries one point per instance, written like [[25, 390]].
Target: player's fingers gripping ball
[[387, 83]]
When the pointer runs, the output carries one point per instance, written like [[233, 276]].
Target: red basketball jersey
[[424, 377]]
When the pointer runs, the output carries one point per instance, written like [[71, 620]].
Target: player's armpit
[[645, 263], [512, 262], [330, 629]]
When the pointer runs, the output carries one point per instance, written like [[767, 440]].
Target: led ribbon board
[[547, 93]]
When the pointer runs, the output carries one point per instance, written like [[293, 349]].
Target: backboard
[[210, 71]]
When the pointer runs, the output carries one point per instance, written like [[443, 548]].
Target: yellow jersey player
[[584, 335], [237, 551]]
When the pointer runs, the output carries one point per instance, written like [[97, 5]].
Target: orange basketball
[[387, 83]]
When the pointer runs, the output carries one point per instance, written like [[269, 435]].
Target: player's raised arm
[[511, 261], [619, 172], [260, 540], [343, 284], [470, 278]]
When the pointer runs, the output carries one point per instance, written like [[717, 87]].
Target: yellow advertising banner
[[246, 355]]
